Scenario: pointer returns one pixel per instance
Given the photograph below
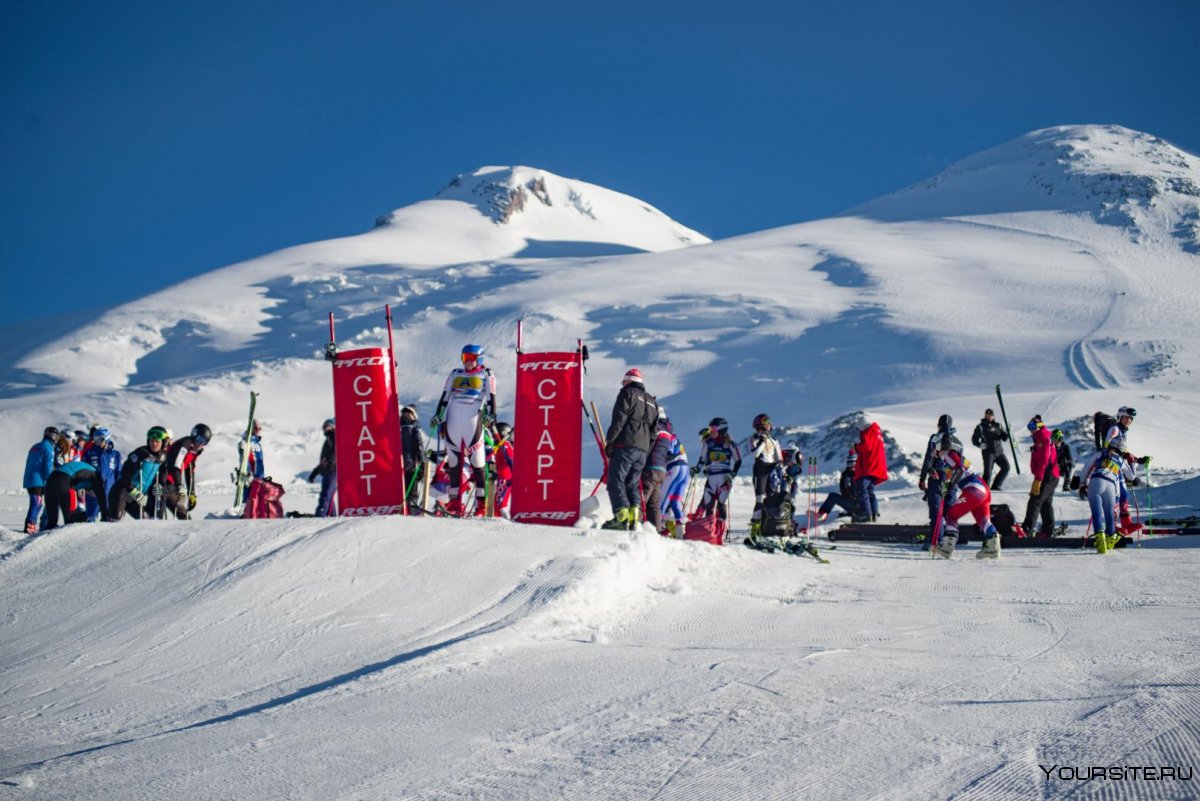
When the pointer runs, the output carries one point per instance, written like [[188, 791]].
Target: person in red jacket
[[869, 470], [503, 458], [1043, 466]]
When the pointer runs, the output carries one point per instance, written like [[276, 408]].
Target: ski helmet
[[102, 434], [762, 422], [945, 422], [201, 434], [1035, 423], [157, 434], [503, 430], [1057, 436], [719, 424], [51, 432], [328, 425], [1126, 411], [473, 354]]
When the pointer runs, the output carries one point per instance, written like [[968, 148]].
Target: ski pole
[[1012, 443], [1149, 502]]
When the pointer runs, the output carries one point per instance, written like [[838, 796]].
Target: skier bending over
[[467, 406], [1104, 480], [846, 498], [138, 476], [768, 457], [974, 497], [720, 459], [60, 492]]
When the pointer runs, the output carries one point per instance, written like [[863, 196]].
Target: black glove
[[313, 475], [608, 451], [1135, 482], [695, 470]]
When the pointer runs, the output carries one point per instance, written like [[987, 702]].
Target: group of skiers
[[81, 476], [953, 488], [645, 455]]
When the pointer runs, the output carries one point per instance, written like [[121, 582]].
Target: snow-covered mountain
[[1062, 265]]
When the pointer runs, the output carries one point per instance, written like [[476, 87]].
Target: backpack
[[263, 501], [777, 512], [1003, 519], [1103, 423]]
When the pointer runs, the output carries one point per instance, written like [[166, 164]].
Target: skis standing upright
[[1012, 443], [240, 479]]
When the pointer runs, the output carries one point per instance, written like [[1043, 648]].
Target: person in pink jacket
[[869, 470], [1043, 466]]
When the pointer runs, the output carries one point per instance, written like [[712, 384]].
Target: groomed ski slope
[[433, 659]]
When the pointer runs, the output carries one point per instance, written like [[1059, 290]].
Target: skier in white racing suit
[[467, 407]]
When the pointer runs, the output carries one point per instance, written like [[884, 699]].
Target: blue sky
[[144, 142]]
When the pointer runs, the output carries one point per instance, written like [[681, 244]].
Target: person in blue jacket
[[106, 459], [130, 491], [60, 491], [38, 465]]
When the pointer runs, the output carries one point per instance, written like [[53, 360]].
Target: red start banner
[[370, 469], [549, 457]]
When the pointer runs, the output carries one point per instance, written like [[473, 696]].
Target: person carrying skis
[[869, 471], [179, 484], [255, 466], [503, 458], [973, 496], [1103, 482], [720, 459], [768, 457], [466, 408], [61, 488], [631, 433], [989, 436], [1043, 466], [933, 492], [654, 474], [106, 459], [39, 463], [138, 476], [414, 443], [327, 469], [676, 482]]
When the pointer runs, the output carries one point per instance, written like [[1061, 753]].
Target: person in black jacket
[[327, 470], [989, 436], [1066, 464], [627, 443], [413, 443], [934, 491]]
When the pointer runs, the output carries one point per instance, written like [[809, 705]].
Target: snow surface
[[406, 658], [433, 659]]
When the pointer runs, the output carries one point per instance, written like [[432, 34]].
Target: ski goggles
[[200, 441]]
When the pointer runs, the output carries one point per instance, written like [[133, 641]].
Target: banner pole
[[387, 313]]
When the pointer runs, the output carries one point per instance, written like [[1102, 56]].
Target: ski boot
[[670, 529], [634, 521], [619, 522], [31, 528], [1018, 531], [1112, 539], [755, 528], [991, 544], [945, 546], [1101, 543], [454, 507], [480, 508]]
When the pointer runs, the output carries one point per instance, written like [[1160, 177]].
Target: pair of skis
[[240, 479]]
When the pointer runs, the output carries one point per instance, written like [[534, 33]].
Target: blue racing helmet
[[472, 353]]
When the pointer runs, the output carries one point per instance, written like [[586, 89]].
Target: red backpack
[[263, 500], [710, 529]]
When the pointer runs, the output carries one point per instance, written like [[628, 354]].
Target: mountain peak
[[1117, 175]]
